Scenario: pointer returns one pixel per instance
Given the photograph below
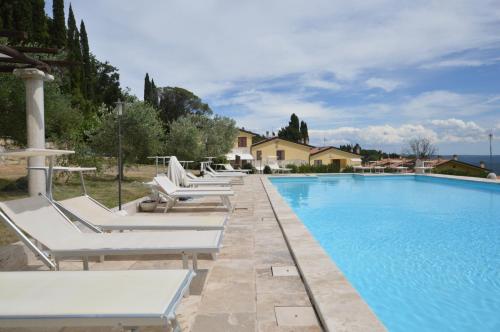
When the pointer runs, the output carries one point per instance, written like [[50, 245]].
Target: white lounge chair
[[170, 191], [229, 168], [122, 299], [195, 181], [210, 170], [275, 168], [57, 238], [93, 214]]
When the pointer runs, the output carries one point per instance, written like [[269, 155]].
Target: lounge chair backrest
[[229, 167], [37, 217], [166, 184], [86, 208]]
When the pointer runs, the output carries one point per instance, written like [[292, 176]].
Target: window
[[259, 155], [318, 162], [280, 154], [242, 142]]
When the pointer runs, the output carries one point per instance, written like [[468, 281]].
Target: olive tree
[[143, 134], [421, 148], [193, 137]]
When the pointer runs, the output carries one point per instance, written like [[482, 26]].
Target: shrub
[[348, 169], [248, 166], [331, 168], [267, 170], [294, 168], [458, 172]]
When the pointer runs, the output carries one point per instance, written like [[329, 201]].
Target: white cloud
[[439, 131], [204, 45], [384, 84]]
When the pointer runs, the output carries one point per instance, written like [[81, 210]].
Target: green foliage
[[177, 102], [296, 131], [107, 86], [193, 137], [12, 108], [348, 169], [330, 168], [58, 31], [87, 84], [267, 170], [459, 172], [304, 133], [40, 31], [184, 140], [147, 88], [293, 168], [249, 167], [142, 134]]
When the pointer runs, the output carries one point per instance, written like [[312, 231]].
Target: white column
[[35, 122]]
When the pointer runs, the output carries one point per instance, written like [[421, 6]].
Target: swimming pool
[[423, 252]]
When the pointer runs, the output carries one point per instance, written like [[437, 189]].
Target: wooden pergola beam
[[14, 34], [18, 57], [26, 49], [10, 68]]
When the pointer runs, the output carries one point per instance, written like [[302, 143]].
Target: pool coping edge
[[338, 305]]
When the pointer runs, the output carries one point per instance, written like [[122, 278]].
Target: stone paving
[[237, 291]]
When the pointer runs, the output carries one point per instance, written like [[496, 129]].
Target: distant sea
[[476, 159]]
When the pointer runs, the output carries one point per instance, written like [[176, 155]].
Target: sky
[[373, 72]]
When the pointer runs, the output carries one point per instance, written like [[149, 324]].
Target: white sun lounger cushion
[[172, 189], [91, 298], [84, 207], [43, 222]]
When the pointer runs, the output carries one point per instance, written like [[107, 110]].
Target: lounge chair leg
[[100, 259], [185, 264], [214, 256], [175, 326], [86, 263], [195, 262], [57, 264]]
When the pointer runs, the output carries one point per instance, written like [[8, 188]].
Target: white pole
[[35, 123]]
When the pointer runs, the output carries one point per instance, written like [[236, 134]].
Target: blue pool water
[[423, 252]]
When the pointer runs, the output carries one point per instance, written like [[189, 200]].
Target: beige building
[[240, 153], [333, 156], [284, 151]]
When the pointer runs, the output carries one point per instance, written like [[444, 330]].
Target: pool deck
[[237, 291]]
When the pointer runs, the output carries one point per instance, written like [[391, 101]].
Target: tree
[[107, 84], [184, 139], [142, 134], [292, 131], [304, 132], [74, 54], [40, 33], [177, 102], [153, 94], [147, 88], [193, 137], [58, 33], [88, 77], [421, 148], [23, 16]]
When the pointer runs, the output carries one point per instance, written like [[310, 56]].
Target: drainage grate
[[296, 316], [285, 271]]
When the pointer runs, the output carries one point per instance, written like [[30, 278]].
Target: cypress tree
[[22, 17], [74, 52], [7, 15], [39, 20], [153, 95], [58, 29], [87, 86], [304, 132], [147, 88]]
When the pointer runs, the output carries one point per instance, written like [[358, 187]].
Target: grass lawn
[[103, 187]]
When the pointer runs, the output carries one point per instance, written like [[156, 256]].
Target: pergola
[[34, 72]]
